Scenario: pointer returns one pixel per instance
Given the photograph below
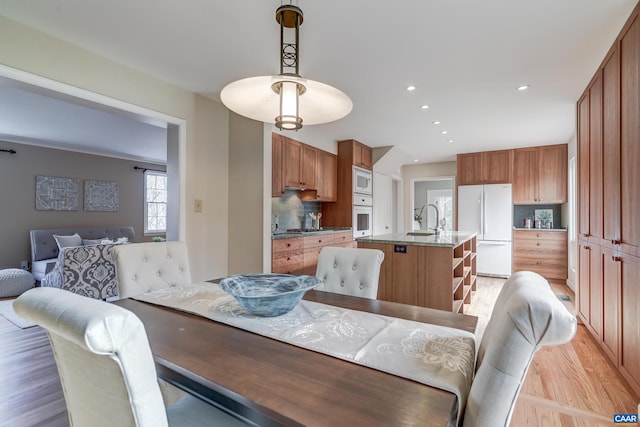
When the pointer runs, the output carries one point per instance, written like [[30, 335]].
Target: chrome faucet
[[437, 218]]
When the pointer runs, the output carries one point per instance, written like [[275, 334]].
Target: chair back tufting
[[350, 271], [145, 267]]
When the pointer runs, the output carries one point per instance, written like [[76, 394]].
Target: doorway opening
[[433, 203]]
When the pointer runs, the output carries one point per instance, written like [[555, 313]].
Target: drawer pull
[[537, 244], [288, 244]]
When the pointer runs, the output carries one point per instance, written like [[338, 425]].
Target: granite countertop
[[539, 229], [324, 230], [444, 238]]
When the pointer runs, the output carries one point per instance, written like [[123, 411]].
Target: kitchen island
[[425, 269]]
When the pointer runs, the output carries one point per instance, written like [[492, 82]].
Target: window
[[155, 206]]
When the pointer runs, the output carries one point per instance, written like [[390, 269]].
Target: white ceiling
[[466, 58]]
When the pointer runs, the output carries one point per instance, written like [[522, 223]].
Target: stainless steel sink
[[421, 233]]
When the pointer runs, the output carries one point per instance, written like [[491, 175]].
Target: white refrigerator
[[487, 210]]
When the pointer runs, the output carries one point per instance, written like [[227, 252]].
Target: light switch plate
[[197, 205]]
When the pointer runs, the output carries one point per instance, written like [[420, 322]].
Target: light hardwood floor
[[569, 385]]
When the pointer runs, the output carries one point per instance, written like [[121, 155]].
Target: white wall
[[205, 155]]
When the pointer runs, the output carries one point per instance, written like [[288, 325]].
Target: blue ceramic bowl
[[268, 295]]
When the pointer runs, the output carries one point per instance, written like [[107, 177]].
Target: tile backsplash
[[520, 212], [289, 212]]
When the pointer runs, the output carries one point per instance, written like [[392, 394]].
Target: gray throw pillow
[[67, 241]]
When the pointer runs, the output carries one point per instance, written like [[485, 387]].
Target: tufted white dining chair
[[527, 316], [145, 267], [105, 364], [349, 271]]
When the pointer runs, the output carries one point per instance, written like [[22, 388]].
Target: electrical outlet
[[24, 265], [197, 205]]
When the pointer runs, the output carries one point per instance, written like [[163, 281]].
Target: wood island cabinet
[[608, 291], [488, 167], [440, 277], [540, 175]]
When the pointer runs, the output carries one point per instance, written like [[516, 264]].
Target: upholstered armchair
[[350, 271], [145, 267], [85, 270], [106, 366], [527, 316]]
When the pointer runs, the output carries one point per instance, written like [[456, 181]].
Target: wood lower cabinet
[[287, 255], [542, 251], [437, 277], [630, 319], [299, 255]]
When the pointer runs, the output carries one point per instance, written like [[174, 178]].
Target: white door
[[498, 212], [470, 209], [382, 204]]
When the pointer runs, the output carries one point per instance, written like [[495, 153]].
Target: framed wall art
[[57, 193], [101, 196]]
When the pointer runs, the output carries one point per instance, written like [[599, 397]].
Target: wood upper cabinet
[[362, 155], [488, 167], [327, 177], [292, 163], [540, 175], [611, 149], [309, 167], [630, 140], [595, 160], [583, 166], [356, 153], [277, 165], [300, 165]]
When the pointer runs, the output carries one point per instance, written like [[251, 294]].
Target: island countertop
[[444, 238]]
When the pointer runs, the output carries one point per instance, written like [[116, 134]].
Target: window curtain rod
[[148, 169], [8, 151]]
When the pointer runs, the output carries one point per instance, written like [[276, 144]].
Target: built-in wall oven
[[362, 216]]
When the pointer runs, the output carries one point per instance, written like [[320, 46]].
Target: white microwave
[[362, 181]]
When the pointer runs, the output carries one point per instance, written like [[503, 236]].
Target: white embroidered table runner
[[438, 356]]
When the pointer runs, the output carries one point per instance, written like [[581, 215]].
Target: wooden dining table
[[272, 383]]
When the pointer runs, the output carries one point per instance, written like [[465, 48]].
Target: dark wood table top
[[273, 383]]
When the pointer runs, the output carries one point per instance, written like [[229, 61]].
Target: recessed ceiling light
[[444, 132], [415, 160], [411, 87], [523, 87], [450, 141], [424, 107], [437, 122]]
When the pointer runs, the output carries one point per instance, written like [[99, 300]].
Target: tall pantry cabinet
[[608, 297]]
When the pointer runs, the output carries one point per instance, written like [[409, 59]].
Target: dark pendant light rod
[[8, 151]]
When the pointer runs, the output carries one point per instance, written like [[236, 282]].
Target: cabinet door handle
[[616, 259], [588, 248], [615, 242]]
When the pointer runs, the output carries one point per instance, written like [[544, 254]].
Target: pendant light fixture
[[287, 99]]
